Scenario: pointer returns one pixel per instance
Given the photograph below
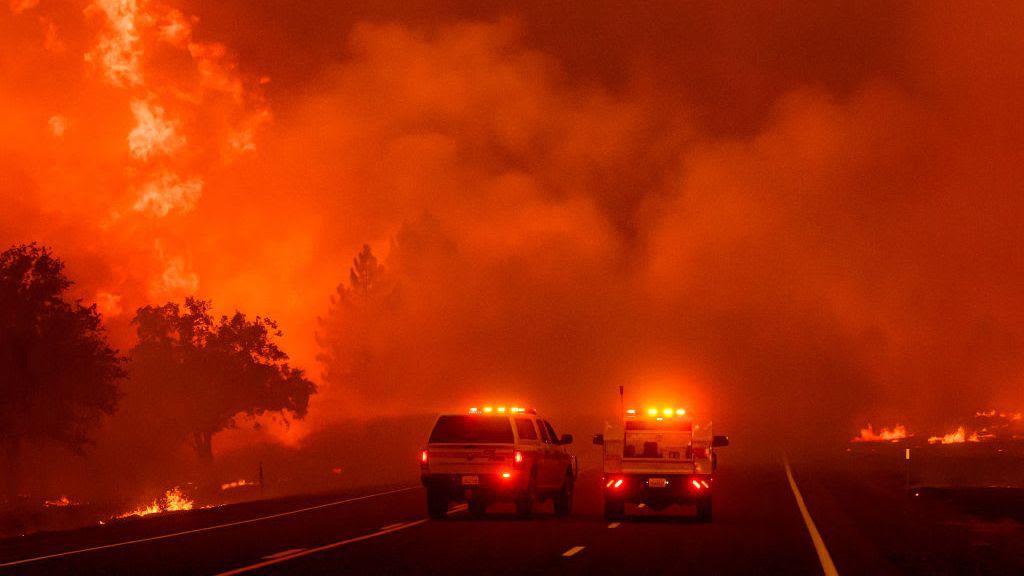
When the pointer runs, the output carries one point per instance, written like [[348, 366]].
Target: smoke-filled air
[[247, 226]]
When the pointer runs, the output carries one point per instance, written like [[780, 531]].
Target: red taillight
[[424, 457], [614, 483], [517, 457]]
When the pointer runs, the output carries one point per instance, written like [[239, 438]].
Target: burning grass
[[173, 500], [897, 433], [958, 436], [62, 502], [237, 484]]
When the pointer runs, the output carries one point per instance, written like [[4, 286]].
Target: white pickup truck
[[657, 458], [495, 454]]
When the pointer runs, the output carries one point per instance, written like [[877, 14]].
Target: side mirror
[[566, 439], [599, 439], [719, 441]]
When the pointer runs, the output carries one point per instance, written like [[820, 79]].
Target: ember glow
[[173, 500], [897, 433]]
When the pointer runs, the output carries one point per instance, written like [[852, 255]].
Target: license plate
[[470, 480], [657, 482]]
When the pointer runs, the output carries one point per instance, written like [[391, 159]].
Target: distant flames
[[237, 484], [897, 433], [173, 500], [61, 502], [987, 425], [957, 437], [1012, 416]]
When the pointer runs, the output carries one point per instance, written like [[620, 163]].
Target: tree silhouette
[[208, 373], [346, 332], [58, 375], [357, 337], [366, 277]]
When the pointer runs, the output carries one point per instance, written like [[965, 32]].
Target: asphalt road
[[758, 528]]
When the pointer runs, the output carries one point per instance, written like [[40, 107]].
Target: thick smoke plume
[[784, 213]]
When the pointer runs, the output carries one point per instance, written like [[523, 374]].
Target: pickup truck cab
[[659, 457], [497, 454]]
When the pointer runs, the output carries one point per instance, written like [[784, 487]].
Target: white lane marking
[[205, 529], [613, 525], [573, 551], [306, 552], [283, 553], [819, 545], [322, 548]]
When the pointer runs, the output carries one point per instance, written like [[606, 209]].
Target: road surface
[[760, 527]]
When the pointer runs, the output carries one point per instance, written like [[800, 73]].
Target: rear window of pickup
[[472, 430]]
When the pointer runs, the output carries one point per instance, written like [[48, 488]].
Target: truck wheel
[[437, 503], [563, 500], [614, 509], [477, 507], [524, 504], [704, 510]]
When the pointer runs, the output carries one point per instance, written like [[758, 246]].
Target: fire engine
[[497, 454], [659, 457]]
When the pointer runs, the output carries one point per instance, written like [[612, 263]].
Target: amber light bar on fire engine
[[501, 410], [656, 413]]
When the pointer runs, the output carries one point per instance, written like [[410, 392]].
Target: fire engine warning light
[[655, 413]]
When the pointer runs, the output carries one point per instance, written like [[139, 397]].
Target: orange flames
[[173, 500], [897, 433], [957, 437], [237, 484], [1002, 415], [61, 502]]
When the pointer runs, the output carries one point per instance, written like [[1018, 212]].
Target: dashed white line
[[306, 552], [614, 525], [204, 529], [819, 544], [573, 551], [338, 544]]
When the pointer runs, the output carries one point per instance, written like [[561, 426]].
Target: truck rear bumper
[[657, 490], [492, 487]]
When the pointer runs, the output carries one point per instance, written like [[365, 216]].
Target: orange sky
[[793, 207]]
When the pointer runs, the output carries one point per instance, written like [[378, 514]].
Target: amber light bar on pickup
[[501, 410]]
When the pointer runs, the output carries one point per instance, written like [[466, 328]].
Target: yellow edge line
[[819, 545]]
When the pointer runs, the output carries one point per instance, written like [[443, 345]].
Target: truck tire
[[614, 509], [704, 510], [563, 500], [524, 504], [437, 503]]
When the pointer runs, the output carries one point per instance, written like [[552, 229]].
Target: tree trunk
[[203, 443]]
